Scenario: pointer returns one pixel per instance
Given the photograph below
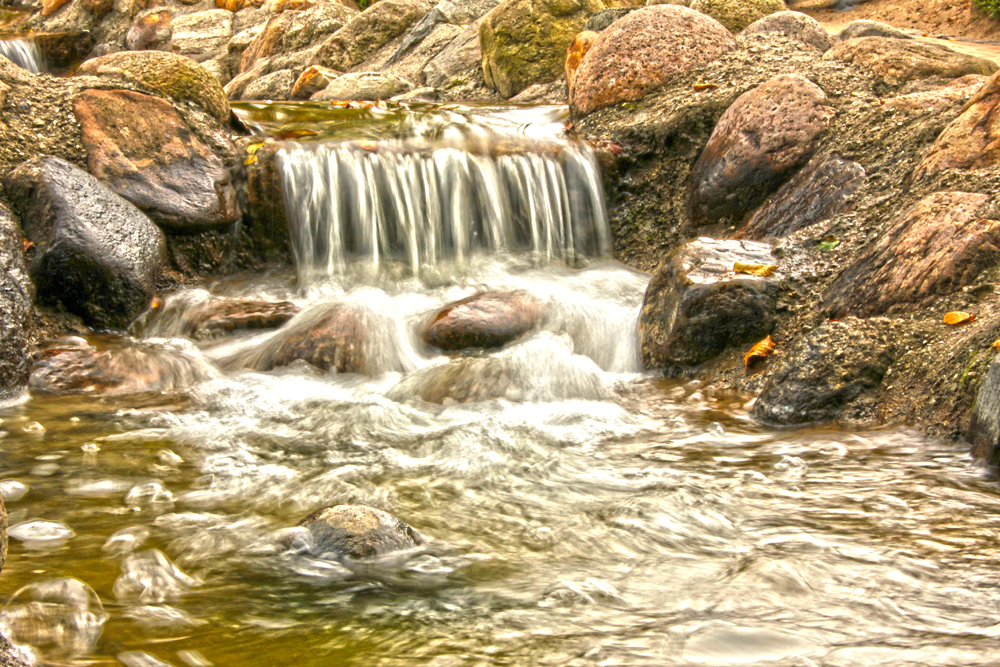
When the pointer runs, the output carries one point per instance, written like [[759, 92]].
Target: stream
[[582, 513]]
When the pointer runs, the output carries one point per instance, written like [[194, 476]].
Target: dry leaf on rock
[[762, 270], [957, 317], [759, 351]]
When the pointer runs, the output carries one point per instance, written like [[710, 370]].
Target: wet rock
[[63, 51], [696, 305], [142, 148], [202, 316], [173, 76], [738, 14], [603, 20], [296, 30], [984, 429], [826, 369], [370, 30], [15, 310], [574, 55], [642, 52], [122, 367], [866, 28], [457, 61], [821, 190], [971, 141], [940, 245], [758, 143], [150, 31], [311, 81], [364, 86], [961, 90], [95, 252], [485, 320], [331, 339], [201, 35], [795, 25], [273, 86], [897, 61], [358, 531], [524, 42]]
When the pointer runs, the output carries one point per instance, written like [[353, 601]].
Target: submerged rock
[[796, 25], [696, 305], [225, 316], [15, 310], [358, 531], [96, 253], [897, 61], [737, 14], [486, 320], [331, 339]]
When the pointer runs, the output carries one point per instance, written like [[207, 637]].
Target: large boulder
[[738, 14], [792, 24], [697, 305], [173, 76], [142, 148], [642, 52], [758, 143], [485, 320], [369, 31], [96, 253], [356, 532], [410, 64], [984, 429], [295, 30], [273, 86], [364, 86], [939, 245], [821, 190], [15, 311], [457, 61], [524, 42], [866, 28], [898, 61], [959, 91], [201, 35]]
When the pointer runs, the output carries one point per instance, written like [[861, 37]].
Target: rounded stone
[[795, 25], [738, 14], [358, 531]]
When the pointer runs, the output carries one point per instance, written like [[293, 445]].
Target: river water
[[584, 514]]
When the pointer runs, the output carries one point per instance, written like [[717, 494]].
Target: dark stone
[[940, 245], [357, 531], [602, 20], [696, 305], [15, 310], [485, 320], [96, 252], [62, 51], [331, 339], [758, 143], [826, 369], [821, 190], [984, 430], [142, 148]]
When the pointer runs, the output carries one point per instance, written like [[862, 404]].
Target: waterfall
[[23, 53], [423, 200]]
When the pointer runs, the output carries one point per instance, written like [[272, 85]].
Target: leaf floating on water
[[759, 351], [296, 134], [698, 87], [957, 317], [762, 270], [828, 244]]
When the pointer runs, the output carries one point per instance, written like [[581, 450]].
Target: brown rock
[[311, 81], [357, 531], [642, 52], [897, 61], [940, 99], [737, 14], [758, 143], [940, 245], [50, 7], [236, 5], [224, 316], [330, 339], [971, 141], [796, 25], [268, 42], [98, 8], [574, 55], [821, 190], [485, 320], [141, 147], [151, 31], [369, 31]]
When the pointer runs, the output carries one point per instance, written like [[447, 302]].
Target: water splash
[[23, 53]]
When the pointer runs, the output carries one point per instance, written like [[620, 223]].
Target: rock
[[173, 76], [822, 189], [311, 81], [603, 20], [542, 93], [220, 69], [331, 339], [642, 52], [425, 94], [796, 25], [574, 55], [485, 320], [971, 141], [98, 8], [370, 30], [142, 149], [201, 35], [456, 62], [3, 536], [221, 317], [940, 245], [50, 7], [273, 86], [464, 12], [358, 531], [696, 305], [826, 369], [898, 61], [296, 30], [866, 28], [151, 31], [63, 51], [738, 14], [984, 429], [364, 86], [961, 90], [412, 64], [122, 367], [95, 252], [758, 143], [524, 42], [15, 312]]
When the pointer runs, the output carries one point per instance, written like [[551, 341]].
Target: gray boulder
[[97, 253], [202, 35], [364, 86], [15, 313], [984, 430], [357, 532], [369, 31], [456, 62], [866, 28]]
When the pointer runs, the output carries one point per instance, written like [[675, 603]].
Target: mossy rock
[[175, 77], [738, 14]]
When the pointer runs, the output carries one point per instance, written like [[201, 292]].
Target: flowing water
[[23, 53], [584, 514]]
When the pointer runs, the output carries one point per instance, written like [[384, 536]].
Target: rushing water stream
[[589, 515]]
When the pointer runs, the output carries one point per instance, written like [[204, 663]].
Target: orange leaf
[[759, 351], [698, 87], [996, 344], [957, 317], [762, 270]]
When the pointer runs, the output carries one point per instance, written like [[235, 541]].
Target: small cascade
[[443, 196], [23, 53]]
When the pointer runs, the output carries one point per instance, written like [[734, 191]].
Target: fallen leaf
[[759, 351], [957, 317], [828, 244], [996, 344], [698, 87], [295, 134], [27, 245], [253, 148], [762, 270], [250, 160]]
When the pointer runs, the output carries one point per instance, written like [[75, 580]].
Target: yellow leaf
[[250, 160], [253, 148], [996, 344], [698, 87], [759, 351], [957, 317], [762, 270]]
